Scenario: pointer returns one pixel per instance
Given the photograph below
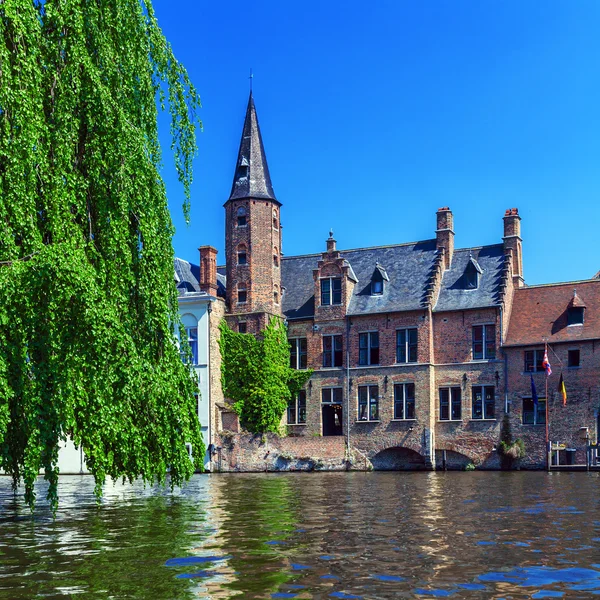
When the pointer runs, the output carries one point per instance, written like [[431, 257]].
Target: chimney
[[330, 242], [445, 234], [208, 269], [513, 244]]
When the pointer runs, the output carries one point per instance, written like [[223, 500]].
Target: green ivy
[[88, 307], [256, 375]]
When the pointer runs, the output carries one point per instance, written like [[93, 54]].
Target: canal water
[[309, 535]]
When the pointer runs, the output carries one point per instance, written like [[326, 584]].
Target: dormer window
[[379, 276], [241, 217], [331, 291], [472, 273], [575, 315], [575, 310], [376, 288]]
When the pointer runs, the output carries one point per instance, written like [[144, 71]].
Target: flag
[[534, 393], [546, 363], [562, 389]]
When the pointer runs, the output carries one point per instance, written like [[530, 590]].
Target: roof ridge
[[363, 248], [541, 285]]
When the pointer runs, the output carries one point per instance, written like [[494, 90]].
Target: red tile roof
[[541, 311]]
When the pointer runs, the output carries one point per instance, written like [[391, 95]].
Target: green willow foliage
[[87, 299], [256, 375]]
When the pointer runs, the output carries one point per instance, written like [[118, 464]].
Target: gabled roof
[[408, 267], [540, 312], [251, 179], [454, 292]]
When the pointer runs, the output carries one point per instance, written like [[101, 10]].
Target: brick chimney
[[445, 234], [208, 269], [330, 242], [513, 244]]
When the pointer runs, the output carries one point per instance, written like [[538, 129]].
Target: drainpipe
[[348, 384], [208, 370], [505, 360]]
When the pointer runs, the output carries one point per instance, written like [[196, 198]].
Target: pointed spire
[[252, 179]]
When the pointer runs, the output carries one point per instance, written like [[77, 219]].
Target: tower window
[[276, 297], [275, 260], [242, 296], [242, 258], [242, 327], [241, 217]]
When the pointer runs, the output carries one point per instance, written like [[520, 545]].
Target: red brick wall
[[262, 240]]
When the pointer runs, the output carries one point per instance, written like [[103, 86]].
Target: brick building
[[418, 349]]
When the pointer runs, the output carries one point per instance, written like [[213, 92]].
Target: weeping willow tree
[[87, 300]]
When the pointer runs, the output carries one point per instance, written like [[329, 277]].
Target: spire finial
[[251, 78], [331, 233]]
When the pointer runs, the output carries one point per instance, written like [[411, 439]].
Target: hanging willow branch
[[87, 300]]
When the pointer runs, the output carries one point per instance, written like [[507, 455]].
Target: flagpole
[[548, 450]]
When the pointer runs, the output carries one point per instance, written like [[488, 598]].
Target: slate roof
[[187, 277], [251, 178], [541, 311], [408, 269], [454, 294]]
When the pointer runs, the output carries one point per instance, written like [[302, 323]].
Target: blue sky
[[374, 115]]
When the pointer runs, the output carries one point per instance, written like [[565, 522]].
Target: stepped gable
[[407, 266], [540, 311], [454, 292]]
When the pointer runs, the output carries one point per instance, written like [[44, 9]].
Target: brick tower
[[252, 235]]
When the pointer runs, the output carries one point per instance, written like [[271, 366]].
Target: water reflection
[[326, 535]]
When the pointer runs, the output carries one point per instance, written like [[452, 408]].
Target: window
[[241, 217], [531, 416], [533, 360], [484, 342], [275, 260], [333, 355], [331, 291], [377, 287], [450, 404], [192, 340], [574, 358], [276, 297], [484, 402], [368, 403], [331, 395], [242, 326], [368, 348], [298, 353], [404, 401], [296, 411], [406, 345], [575, 315], [242, 295], [275, 222], [242, 258]]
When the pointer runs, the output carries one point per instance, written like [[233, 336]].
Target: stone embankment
[[243, 452]]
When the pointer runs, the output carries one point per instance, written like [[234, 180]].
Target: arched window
[[275, 220], [275, 257], [241, 217]]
